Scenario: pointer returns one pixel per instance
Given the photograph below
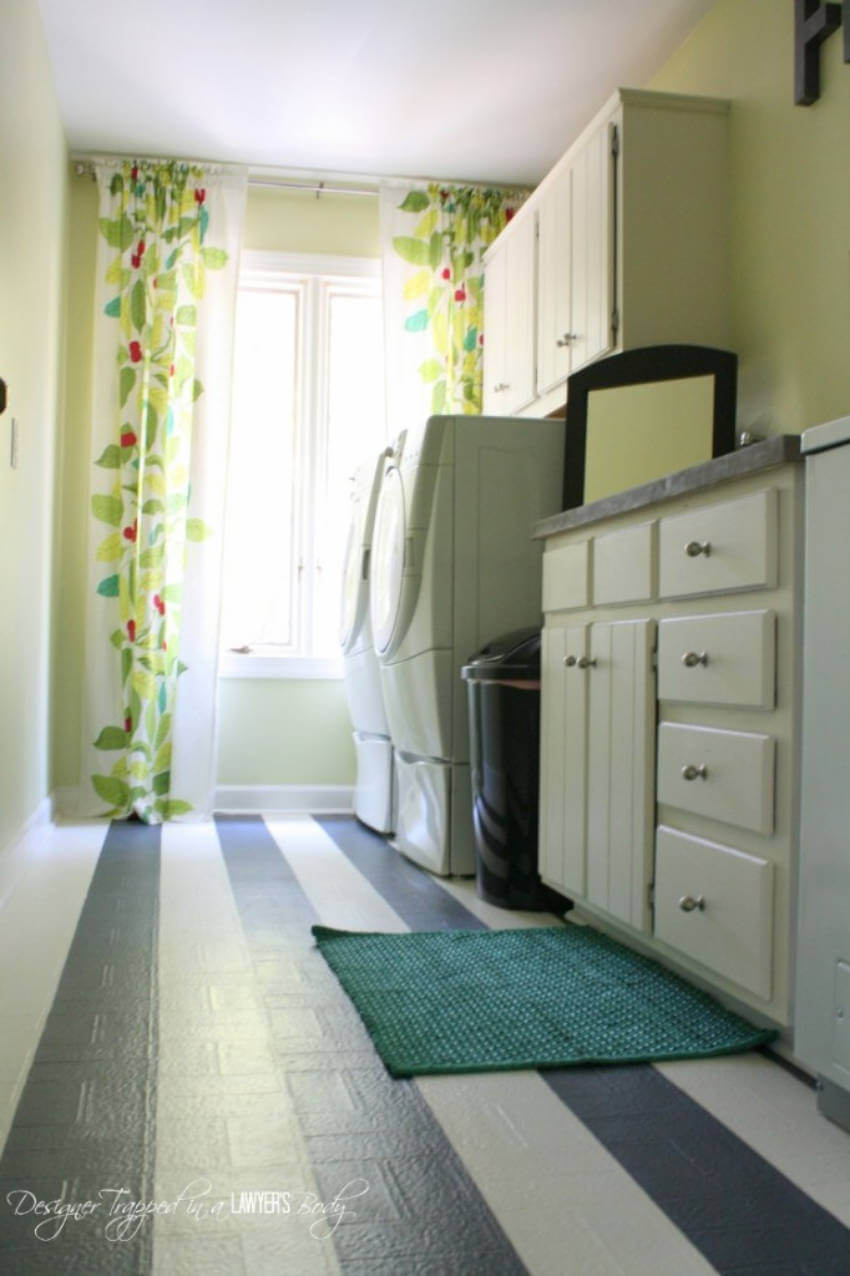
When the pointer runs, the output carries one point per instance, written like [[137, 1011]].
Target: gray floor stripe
[[422, 1213], [86, 1118], [741, 1213]]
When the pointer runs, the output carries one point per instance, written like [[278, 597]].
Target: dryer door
[[388, 560], [353, 607]]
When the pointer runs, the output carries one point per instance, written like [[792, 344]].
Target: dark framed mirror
[[646, 413]]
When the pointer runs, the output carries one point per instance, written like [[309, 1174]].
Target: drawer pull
[[693, 549], [586, 662], [693, 658], [567, 339], [500, 386], [687, 903], [569, 661], [691, 772]]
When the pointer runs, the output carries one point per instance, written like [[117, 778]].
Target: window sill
[[236, 665]]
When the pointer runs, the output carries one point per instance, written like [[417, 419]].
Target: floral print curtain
[[168, 249], [434, 237]]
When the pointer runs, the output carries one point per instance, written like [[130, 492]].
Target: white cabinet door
[[495, 314], [563, 757], [509, 326], [591, 251], [553, 284], [621, 768], [519, 318]]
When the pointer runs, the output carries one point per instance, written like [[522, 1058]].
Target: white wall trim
[[284, 797], [43, 814]]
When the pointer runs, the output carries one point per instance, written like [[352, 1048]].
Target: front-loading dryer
[[453, 565], [374, 783]]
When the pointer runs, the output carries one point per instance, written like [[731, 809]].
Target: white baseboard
[[43, 814], [14, 855], [324, 798]]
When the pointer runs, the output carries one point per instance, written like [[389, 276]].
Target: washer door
[[388, 560], [353, 577]]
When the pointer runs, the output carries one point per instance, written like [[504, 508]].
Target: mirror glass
[[636, 433]]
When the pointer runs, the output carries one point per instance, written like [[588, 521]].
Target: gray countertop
[[747, 460]]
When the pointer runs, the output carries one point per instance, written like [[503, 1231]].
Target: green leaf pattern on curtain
[[450, 229], [158, 226]]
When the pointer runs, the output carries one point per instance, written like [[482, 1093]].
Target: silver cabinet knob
[[567, 339], [687, 903], [500, 386], [569, 661], [693, 658], [691, 772], [693, 549], [586, 662]]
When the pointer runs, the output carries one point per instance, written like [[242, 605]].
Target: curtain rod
[[85, 168], [303, 180]]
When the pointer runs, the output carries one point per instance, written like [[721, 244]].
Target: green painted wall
[[284, 732], [33, 223], [270, 732], [789, 210]]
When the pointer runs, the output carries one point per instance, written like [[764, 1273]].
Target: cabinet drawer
[[728, 658], [716, 905], [566, 577], [726, 775], [623, 566], [719, 547]]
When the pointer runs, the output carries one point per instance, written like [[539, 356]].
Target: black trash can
[[503, 687]]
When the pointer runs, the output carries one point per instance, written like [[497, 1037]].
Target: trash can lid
[[515, 655]]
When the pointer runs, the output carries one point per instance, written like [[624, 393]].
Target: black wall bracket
[[814, 22], [2, 395]]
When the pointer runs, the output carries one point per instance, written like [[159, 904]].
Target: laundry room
[[423, 718]]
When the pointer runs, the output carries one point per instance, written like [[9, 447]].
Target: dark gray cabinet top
[[777, 450]]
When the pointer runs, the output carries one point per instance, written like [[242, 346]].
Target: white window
[[308, 407]]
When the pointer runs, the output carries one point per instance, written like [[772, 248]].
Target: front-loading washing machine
[[453, 565], [374, 782]]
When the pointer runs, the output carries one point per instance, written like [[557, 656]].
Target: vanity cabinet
[[669, 721], [630, 227]]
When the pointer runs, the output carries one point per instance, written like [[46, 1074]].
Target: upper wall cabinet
[[509, 307], [631, 229]]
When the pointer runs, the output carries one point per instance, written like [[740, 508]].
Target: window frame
[[316, 276]]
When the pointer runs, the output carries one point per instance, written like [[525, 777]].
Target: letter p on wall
[[814, 22]]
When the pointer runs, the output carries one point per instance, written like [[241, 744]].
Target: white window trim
[[259, 268]]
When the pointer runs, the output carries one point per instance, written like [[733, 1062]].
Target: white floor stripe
[[561, 1198], [777, 1116], [224, 1117], [47, 885], [463, 890]]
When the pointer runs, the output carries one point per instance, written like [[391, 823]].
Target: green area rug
[[490, 1000]]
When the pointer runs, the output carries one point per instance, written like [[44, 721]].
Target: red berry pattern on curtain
[[451, 227]]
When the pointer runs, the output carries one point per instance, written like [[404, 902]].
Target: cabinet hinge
[[615, 141], [650, 895], [615, 324]]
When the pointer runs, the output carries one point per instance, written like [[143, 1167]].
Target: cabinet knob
[[693, 658], [569, 661], [693, 549], [687, 903], [500, 386], [691, 772], [586, 662], [567, 339]]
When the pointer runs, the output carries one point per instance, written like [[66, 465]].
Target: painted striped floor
[[184, 1088]]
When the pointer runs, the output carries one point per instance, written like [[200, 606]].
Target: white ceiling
[[486, 90]]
